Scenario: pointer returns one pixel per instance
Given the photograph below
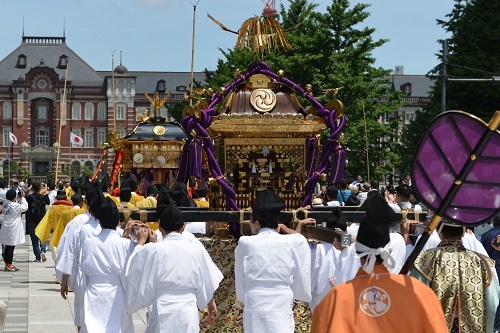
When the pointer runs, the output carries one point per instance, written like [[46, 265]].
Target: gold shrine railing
[[246, 200]]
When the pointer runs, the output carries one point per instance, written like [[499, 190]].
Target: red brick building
[[34, 107]]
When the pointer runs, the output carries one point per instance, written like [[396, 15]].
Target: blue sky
[[155, 35]]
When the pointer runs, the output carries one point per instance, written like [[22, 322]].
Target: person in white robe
[[103, 260], [271, 270], [70, 266], [469, 241], [171, 275], [12, 231]]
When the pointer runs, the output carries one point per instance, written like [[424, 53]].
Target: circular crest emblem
[[374, 301], [159, 130], [263, 100]]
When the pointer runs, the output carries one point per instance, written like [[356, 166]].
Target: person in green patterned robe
[[464, 281]]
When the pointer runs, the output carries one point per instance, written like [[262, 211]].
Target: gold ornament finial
[[157, 102], [260, 33]]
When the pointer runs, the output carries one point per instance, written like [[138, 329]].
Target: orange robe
[[380, 302]]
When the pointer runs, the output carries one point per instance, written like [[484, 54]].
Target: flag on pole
[[75, 139], [12, 138]]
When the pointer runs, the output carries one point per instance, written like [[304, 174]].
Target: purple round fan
[[456, 170]]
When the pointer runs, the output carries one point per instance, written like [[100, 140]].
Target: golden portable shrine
[[262, 130], [153, 148]]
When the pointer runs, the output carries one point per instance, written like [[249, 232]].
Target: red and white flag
[[12, 138], [75, 139]]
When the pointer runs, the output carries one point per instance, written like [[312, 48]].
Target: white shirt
[[395, 207], [12, 231], [173, 276], [271, 270], [82, 233], [103, 259]]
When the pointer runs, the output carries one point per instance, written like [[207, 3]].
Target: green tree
[[473, 53], [330, 50]]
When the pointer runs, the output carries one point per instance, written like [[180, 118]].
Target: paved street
[[34, 303]]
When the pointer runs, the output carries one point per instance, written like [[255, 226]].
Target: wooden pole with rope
[[366, 142], [113, 88], [63, 111]]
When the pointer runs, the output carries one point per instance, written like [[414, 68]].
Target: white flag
[[12, 138], [75, 139]]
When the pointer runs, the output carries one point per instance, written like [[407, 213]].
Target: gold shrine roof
[[264, 112]]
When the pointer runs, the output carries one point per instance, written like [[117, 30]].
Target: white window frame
[[39, 115], [121, 111], [121, 132], [76, 111], [42, 140], [89, 137], [89, 111], [7, 110], [6, 138], [101, 135], [102, 111]]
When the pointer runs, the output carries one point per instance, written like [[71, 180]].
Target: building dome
[[24, 144], [120, 69]]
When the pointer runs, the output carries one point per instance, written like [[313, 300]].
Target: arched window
[[89, 165], [76, 167]]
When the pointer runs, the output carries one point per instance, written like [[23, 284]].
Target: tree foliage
[[332, 49], [473, 53]]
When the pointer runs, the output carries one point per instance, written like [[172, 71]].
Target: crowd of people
[[116, 266]]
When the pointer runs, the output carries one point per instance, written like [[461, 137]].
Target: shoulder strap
[[342, 195]]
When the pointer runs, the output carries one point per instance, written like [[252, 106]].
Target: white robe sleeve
[[301, 253], [213, 275], [239, 277], [141, 277], [210, 280]]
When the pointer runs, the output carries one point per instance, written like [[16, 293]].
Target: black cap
[[75, 185], [105, 183], [84, 183], [77, 197], [61, 195], [132, 180], [108, 215], [96, 202], [374, 226], [171, 219], [202, 190], [152, 190], [178, 193], [161, 203], [268, 206], [125, 185], [337, 220]]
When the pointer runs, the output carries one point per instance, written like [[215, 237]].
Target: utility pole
[[192, 52], [444, 76]]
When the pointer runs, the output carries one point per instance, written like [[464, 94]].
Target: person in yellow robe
[[51, 222], [134, 198], [376, 300], [69, 214], [201, 192], [151, 200], [105, 187]]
